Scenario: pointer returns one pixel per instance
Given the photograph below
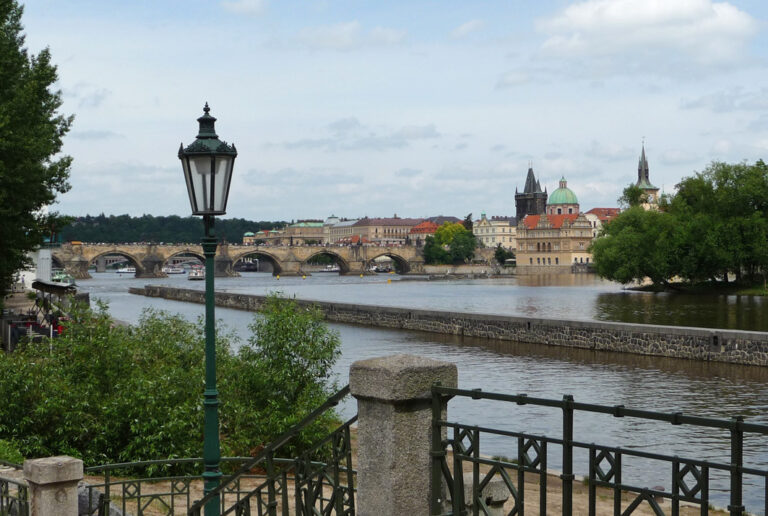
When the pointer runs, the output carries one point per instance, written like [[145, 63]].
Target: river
[[653, 383]]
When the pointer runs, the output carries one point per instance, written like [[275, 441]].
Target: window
[[531, 261], [587, 260], [557, 260], [575, 260], [559, 211], [538, 260], [549, 261]]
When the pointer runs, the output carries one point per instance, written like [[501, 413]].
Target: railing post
[[567, 476], [53, 485], [437, 454], [736, 507], [395, 432]]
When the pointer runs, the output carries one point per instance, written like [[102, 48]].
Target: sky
[[416, 108]]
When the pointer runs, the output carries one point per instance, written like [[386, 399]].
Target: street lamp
[[207, 165]]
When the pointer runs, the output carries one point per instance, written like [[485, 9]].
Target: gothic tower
[[644, 181], [532, 201]]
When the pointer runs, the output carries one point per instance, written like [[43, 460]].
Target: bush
[[109, 393]]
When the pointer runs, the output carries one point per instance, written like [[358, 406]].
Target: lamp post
[[207, 165]]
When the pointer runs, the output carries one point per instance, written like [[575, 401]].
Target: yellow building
[[385, 231], [496, 230], [553, 243]]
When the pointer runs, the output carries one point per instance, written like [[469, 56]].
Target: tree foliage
[[632, 196], [148, 228], [108, 393], [31, 132], [716, 225], [460, 242], [502, 255]]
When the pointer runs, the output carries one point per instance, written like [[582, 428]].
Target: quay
[[705, 344]]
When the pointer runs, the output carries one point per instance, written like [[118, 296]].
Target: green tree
[[632, 196], [31, 132], [468, 224], [463, 247], [448, 231], [108, 393], [434, 253], [502, 255]]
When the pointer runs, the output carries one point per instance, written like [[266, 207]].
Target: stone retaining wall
[[739, 347]]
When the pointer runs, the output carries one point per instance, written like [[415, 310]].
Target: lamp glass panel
[[221, 182], [201, 181], [188, 180]]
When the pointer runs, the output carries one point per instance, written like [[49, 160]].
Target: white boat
[[61, 276], [196, 273], [127, 270], [330, 268], [173, 270]]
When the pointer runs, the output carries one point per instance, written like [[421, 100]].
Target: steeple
[[642, 169], [531, 184]]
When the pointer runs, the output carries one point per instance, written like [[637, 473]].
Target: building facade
[[385, 231], [553, 243], [496, 230], [563, 200], [532, 201]]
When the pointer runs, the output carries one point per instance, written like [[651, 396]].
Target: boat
[[196, 273], [60, 276], [127, 270], [330, 268], [173, 270]]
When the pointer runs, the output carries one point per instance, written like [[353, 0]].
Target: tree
[[502, 255], [632, 196], [31, 132], [448, 231], [434, 253], [468, 224], [463, 247]]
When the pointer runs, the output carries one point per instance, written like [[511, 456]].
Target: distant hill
[[147, 228]]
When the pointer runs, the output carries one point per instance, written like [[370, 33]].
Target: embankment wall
[[739, 347]]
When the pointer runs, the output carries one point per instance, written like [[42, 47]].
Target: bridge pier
[[101, 264], [223, 267], [77, 268], [151, 267]]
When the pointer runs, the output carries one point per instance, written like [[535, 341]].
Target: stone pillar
[[101, 263], [394, 431], [53, 485]]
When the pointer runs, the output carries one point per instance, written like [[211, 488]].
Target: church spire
[[642, 169]]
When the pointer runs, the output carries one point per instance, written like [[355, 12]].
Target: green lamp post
[[207, 165]]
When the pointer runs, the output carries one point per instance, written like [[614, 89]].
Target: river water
[[652, 383]]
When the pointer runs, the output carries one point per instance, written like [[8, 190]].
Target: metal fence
[[688, 480], [14, 497]]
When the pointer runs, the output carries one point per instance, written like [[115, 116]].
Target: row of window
[[548, 261]]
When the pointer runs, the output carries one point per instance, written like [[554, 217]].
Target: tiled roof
[[427, 226], [555, 221], [389, 221], [604, 214]]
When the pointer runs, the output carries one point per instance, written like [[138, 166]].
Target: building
[[342, 231], [496, 230], [600, 216], [563, 200], [644, 182], [421, 231], [532, 201], [553, 243], [385, 231], [303, 232]]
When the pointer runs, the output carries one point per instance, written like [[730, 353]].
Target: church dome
[[563, 195]]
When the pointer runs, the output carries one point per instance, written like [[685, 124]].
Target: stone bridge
[[149, 259]]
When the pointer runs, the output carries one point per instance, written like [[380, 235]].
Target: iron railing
[[319, 487], [689, 480], [14, 496]]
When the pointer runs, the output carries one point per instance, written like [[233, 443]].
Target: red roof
[[555, 221], [605, 214], [426, 227]]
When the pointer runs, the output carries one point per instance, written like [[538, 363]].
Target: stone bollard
[[394, 431], [494, 494], [53, 485]]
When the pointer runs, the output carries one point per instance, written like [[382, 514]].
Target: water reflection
[[675, 309]]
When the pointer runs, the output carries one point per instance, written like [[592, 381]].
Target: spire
[[531, 185], [642, 168]]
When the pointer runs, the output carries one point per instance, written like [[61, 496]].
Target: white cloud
[[736, 99], [649, 34], [609, 151], [467, 28], [677, 157], [512, 79], [252, 7], [349, 36]]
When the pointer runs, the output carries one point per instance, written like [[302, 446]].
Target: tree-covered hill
[[147, 228]]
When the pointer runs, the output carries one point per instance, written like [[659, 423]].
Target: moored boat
[[173, 270], [196, 273]]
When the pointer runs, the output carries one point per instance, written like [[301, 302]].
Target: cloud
[[466, 28], [349, 36], [609, 151], [736, 99], [87, 95], [677, 157], [656, 36], [498, 147], [252, 7], [408, 172], [349, 134], [512, 79], [460, 146], [95, 135]]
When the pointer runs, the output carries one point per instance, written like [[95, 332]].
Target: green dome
[[563, 195], [248, 233]]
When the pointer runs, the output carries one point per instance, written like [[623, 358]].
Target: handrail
[[270, 448], [675, 418]]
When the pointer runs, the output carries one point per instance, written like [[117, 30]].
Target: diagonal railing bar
[[270, 448], [690, 478]]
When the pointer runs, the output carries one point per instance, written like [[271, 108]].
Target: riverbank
[[731, 346], [707, 288]]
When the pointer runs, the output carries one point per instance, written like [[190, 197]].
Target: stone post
[[53, 485], [394, 431]]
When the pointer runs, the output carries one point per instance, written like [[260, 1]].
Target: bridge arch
[[338, 260], [402, 266], [277, 266], [135, 262], [184, 252]]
